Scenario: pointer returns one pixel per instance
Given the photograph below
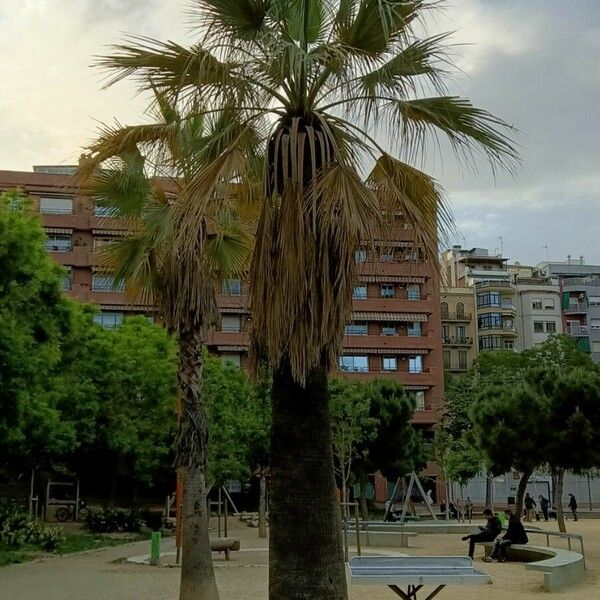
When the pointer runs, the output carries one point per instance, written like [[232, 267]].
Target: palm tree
[[183, 292], [345, 89]]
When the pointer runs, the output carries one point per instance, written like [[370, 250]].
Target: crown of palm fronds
[[332, 86]]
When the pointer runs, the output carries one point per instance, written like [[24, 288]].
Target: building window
[[58, 243], [594, 301], [415, 364], [536, 304], [232, 357], [104, 211], [461, 333], [390, 363], [538, 327], [232, 287], [490, 321], [444, 310], [414, 329], [65, 281], [446, 333], [355, 364], [106, 283], [360, 292], [419, 400], [230, 323], [387, 256], [550, 327], [108, 319], [595, 323], [56, 206], [388, 330], [102, 242], [491, 342], [360, 256], [509, 345], [595, 346], [489, 299], [413, 292], [388, 290], [549, 303], [356, 329], [447, 356], [462, 360], [460, 310]]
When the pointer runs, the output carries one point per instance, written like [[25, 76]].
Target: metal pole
[[225, 518], [77, 500], [219, 515], [356, 519], [155, 548], [589, 483], [31, 485], [346, 551]]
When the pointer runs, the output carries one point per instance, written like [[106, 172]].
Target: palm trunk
[[521, 493], [306, 559], [558, 506], [197, 574], [262, 506]]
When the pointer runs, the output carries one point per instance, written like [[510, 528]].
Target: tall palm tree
[[149, 259], [347, 91]]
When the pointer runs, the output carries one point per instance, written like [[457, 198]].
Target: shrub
[[51, 538], [112, 520]]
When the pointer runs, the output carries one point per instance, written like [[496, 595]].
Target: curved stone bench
[[560, 567], [382, 539]]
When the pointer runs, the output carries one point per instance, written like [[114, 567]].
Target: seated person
[[492, 529], [453, 511], [515, 534]]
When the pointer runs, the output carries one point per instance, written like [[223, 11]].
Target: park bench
[[226, 545], [560, 567], [413, 573]]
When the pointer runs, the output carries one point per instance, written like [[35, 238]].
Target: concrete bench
[[383, 539], [226, 545], [560, 567]]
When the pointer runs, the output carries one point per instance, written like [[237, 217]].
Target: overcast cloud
[[536, 63]]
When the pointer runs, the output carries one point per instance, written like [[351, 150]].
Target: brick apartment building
[[395, 330]]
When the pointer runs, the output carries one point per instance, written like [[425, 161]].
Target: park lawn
[[75, 542]]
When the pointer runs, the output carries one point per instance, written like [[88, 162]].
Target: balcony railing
[[494, 284], [577, 330], [458, 341], [576, 307], [454, 316]]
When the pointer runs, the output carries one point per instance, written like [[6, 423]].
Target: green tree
[[182, 241], [353, 426], [321, 77], [34, 319]]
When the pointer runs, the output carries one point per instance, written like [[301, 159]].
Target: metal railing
[[576, 307], [577, 330]]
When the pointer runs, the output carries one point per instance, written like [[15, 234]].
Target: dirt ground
[[101, 575]]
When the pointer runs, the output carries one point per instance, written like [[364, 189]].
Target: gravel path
[[99, 575]]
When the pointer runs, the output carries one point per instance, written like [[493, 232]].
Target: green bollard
[[155, 548]]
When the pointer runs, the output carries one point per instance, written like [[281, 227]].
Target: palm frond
[[241, 19]]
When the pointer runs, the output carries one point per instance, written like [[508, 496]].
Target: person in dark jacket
[[573, 506], [515, 534], [544, 504], [529, 504], [492, 529]]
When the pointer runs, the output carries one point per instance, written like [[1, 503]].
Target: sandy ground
[[99, 575]]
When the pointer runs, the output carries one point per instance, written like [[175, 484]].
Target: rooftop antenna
[[547, 252], [501, 240]]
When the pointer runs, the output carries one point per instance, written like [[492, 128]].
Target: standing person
[[469, 508], [573, 506], [515, 534], [429, 498], [544, 504], [529, 504], [492, 529]]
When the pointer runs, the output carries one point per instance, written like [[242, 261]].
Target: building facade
[[394, 332], [459, 330]]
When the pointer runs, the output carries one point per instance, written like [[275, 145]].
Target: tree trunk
[[197, 574], [262, 506], [488, 489], [558, 506], [306, 559], [364, 508], [521, 493]]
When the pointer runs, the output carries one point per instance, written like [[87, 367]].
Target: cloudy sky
[[536, 63]]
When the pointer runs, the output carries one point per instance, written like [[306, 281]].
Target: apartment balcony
[[109, 223], [506, 286], [389, 342], [456, 368], [457, 318], [66, 221], [458, 341], [575, 308], [510, 330], [403, 268], [392, 305], [77, 256], [505, 307], [228, 301], [229, 338], [426, 378], [425, 417], [577, 330]]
